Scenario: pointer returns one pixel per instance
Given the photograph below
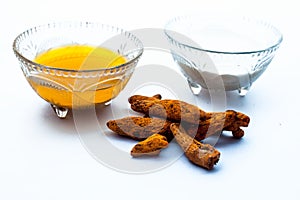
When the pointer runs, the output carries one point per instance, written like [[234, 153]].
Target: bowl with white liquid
[[222, 53]]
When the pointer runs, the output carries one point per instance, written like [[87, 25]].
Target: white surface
[[43, 158]]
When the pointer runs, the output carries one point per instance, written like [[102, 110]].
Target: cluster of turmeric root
[[166, 119]]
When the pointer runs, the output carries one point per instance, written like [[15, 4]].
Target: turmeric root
[[205, 123], [150, 146], [195, 125], [140, 128], [203, 155], [228, 121], [135, 98], [173, 110], [235, 120]]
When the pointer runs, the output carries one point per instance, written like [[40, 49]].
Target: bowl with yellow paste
[[74, 65]]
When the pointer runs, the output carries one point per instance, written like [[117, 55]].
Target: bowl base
[[60, 111], [243, 91], [196, 89], [108, 103]]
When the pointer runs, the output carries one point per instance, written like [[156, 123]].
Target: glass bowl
[[222, 53], [67, 88]]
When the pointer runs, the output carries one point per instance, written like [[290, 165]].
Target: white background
[[41, 157]]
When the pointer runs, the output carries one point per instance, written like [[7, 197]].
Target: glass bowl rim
[[139, 48], [275, 45]]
